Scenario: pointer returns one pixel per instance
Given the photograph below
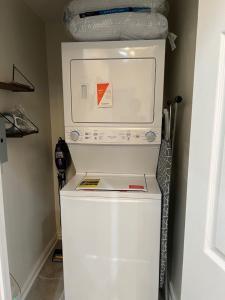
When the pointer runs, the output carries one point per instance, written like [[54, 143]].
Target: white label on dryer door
[[104, 95]]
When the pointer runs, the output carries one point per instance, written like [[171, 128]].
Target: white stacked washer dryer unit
[[111, 209]]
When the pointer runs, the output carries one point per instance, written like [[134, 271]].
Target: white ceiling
[[48, 10]]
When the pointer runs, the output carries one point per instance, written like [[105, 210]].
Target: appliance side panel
[[66, 85]]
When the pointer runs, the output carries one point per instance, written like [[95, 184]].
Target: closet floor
[[49, 284]]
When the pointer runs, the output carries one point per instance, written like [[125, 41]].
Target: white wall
[[55, 35], [27, 177], [179, 81]]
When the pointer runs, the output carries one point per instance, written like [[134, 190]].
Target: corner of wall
[[179, 81]]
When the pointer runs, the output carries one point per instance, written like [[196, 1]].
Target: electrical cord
[[16, 283]]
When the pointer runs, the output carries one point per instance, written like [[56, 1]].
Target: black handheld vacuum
[[62, 161]]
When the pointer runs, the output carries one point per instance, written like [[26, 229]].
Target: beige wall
[[179, 81], [27, 176], [55, 35]]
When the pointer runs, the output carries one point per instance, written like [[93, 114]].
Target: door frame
[[5, 285]]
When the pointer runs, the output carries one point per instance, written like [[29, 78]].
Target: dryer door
[[113, 90]]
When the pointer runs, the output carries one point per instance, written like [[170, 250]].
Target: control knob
[[150, 136], [75, 135]]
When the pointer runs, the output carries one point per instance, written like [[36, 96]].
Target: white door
[[5, 289], [204, 248]]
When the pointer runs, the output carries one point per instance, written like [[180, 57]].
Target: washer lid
[[70, 190], [113, 182]]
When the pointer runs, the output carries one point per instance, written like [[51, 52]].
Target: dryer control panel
[[106, 135]]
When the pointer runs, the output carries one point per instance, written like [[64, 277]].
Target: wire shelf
[[17, 126]]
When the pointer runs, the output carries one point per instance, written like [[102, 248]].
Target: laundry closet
[[106, 99]]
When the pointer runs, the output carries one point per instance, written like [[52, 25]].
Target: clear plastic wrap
[[76, 7], [122, 26]]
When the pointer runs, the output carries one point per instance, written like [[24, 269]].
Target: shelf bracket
[[15, 69]]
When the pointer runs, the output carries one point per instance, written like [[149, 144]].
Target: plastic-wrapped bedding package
[[76, 7], [101, 20], [126, 26]]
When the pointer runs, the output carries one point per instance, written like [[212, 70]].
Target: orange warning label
[[104, 94], [136, 187], [101, 89]]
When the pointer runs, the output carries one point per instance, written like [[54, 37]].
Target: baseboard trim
[[172, 295], [59, 234], [37, 268]]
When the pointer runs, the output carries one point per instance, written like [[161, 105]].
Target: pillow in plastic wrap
[[77, 7], [123, 26]]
